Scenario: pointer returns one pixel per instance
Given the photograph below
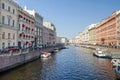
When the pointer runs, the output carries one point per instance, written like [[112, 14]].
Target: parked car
[[4, 51], [12, 48], [38, 46]]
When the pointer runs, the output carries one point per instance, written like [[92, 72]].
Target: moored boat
[[115, 62], [99, 53], [45, 54], [55, 50], [117, 71]]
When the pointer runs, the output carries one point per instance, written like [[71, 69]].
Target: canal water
[[75, 63]]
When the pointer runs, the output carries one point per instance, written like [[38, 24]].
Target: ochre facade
[[106, 31]]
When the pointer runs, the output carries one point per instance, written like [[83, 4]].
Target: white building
[[85, 37], [78, 38], [26, 29], [38, 25], [62, 40], [8, 23]]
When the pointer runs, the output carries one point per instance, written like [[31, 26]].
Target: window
[[8, 44], [3, 45], [8, 35], [13, 36], [13, 23], [3, 19], [13, 11], [3, 6], [8, 8], [13, 44], [19, 27], [3, 35], [8, 20]]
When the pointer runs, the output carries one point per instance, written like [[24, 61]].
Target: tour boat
[[99, 53], [45, 54]]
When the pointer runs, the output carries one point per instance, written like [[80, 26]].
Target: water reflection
[[69, 64]]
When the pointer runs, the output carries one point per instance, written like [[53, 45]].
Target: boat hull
[[115, 62], [100, 56], [117, 76], [45, 55], [117, 73]]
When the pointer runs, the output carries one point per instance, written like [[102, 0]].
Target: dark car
[[4, 51]]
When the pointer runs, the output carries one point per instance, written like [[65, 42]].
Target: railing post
[[20, 51], [11, 53], [28, 50]]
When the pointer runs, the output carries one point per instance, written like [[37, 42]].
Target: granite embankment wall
[[11, 60]]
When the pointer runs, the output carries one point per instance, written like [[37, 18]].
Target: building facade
[[85, 36], [106, 31], [39, 29], [78, 38], [38, 26], [62, 40], [26, 29], [23, 28], [118, 28], [92, 34], [45, 36], [8, 23], [51, 32]]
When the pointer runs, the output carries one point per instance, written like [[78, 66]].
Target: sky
[[72, 16]]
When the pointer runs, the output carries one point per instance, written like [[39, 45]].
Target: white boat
[[115, 62], [117, 71], [99, 53], [45, 54], [55, 50]]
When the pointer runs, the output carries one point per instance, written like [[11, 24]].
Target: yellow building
[[92, 34], [78, 38], [8, 23], [51, 32]]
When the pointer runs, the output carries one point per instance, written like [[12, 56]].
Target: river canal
[[75, 63]]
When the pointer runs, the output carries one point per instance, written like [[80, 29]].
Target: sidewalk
[[110, 49]]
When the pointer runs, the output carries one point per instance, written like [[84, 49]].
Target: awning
[[26, 27], [24, 18], [23, 25], [20, 16], [24, 35], [27, 42], [32, 29], [20, 34]]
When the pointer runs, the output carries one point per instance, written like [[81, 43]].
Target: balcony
[[9, 27]]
